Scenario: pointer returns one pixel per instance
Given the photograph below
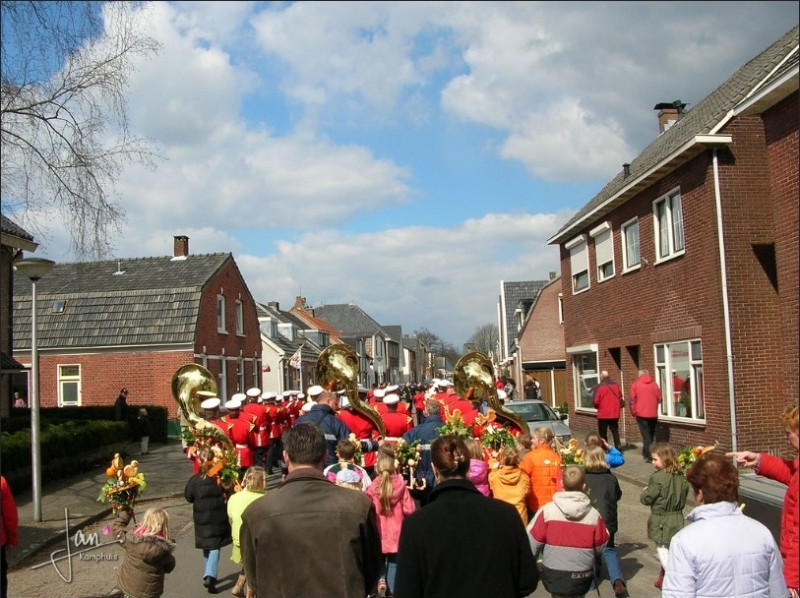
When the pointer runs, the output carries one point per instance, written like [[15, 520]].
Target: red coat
[[396, 423], [606, 399], [274, 418], [238, 430], [786, 472], [259, 437], [645, 397], [363, 429], [8, 510]]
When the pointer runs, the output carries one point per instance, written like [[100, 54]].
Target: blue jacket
[[425, 433]]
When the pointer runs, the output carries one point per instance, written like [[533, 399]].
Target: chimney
[[626, 170], [669, 113], [181, 247], [552, 275], [274, 305]]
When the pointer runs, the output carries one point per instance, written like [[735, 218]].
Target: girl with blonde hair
[[393, 503], [478, 468], [254, 486], [148, 553], [509, 483]]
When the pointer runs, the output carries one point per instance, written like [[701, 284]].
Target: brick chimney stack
[[181, 246], [669, 113]]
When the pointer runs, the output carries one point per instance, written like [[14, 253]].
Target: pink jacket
[[402, 506], [645, 397], [479, 475]]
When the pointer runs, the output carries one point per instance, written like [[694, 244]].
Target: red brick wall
[[682, 298], [229, 283], [543, 337], [147, 376], [781, 128]]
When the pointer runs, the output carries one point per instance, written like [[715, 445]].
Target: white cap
[[501, 394], [442, 383], [253, 392], [239, 396], [268, 396], [302, 395], [212, 403], [315, 391], [391, 388], [344, 402], [391, 399], [379, 392], [307, 406], [286, 394], [233, 404]]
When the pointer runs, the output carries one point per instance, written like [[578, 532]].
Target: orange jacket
[[511, 485], [543, 466]]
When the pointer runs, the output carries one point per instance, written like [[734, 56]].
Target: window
[[239, 318], [679, 373], [69, 385], [240, 374], [585, 376], [668, 222], [221, 314], [59, 305], [630, 244], [579, 263], [603, 251]]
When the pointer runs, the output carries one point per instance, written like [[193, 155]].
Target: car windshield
[[533, 412]]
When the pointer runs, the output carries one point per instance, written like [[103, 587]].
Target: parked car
[[538, 414]]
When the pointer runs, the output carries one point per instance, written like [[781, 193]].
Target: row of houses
[[132, 323], [685, 264]]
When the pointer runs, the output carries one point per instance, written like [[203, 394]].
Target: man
[[121, 406], [363, 428], [607, 400], [309, 516], [324, 415], [425, 433], [273, 422], [238, 429], [259, 437], [645, 403], [395, 422]]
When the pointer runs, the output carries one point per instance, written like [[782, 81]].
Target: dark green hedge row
[[20, 419], [66, 449]]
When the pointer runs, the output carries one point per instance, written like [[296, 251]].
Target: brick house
[[540, 345], [13, 241], [686, 264], [513, 304], [133, 322]]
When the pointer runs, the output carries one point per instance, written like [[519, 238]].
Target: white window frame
[[584, 379], [221, 314], [578, 256], [668, 228], [240, 374], [64, 379], [628, 244], [239, 317], [603, 250], [664, 379]]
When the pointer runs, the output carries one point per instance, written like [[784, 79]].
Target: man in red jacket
[[607, 400], [645, 403]]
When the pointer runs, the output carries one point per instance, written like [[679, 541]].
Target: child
[[603, 489], [346, 453], [148, 553], [523, 445], [478, 468], [348, 478], [393, 503], [145, 430], [571, 534], [614, 457], [254, 485], [543, 466], [510, 484], [665, 494]]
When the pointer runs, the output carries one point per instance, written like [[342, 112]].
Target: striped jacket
[[570, 533]]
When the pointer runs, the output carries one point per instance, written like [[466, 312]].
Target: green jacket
[[666, 496]]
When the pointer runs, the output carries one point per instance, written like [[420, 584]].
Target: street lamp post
[[35, 268]]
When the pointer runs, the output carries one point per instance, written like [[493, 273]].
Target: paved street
[[92, 578]]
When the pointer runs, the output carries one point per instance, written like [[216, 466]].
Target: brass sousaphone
[[473, 377], [337, 369], [191, 384]]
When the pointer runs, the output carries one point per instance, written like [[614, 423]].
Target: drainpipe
[[725, 303]]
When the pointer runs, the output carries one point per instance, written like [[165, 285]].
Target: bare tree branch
[[64, 129]]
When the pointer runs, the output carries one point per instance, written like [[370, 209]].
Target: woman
[[785, 472], [722, 552], [212, 530], [254, 486], [462, 543], [543, 466]]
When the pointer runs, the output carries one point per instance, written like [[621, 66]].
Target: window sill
[[670, 257], [635, 268]]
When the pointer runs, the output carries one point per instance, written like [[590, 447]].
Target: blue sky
[[406, 157]]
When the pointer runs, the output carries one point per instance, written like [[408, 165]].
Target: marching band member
[[238, 429], [259, 437], [395, 422], [362, 427]]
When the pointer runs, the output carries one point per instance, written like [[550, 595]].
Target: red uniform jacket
[[363, 429], [259, 437], [396, 423], [238, 430]]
